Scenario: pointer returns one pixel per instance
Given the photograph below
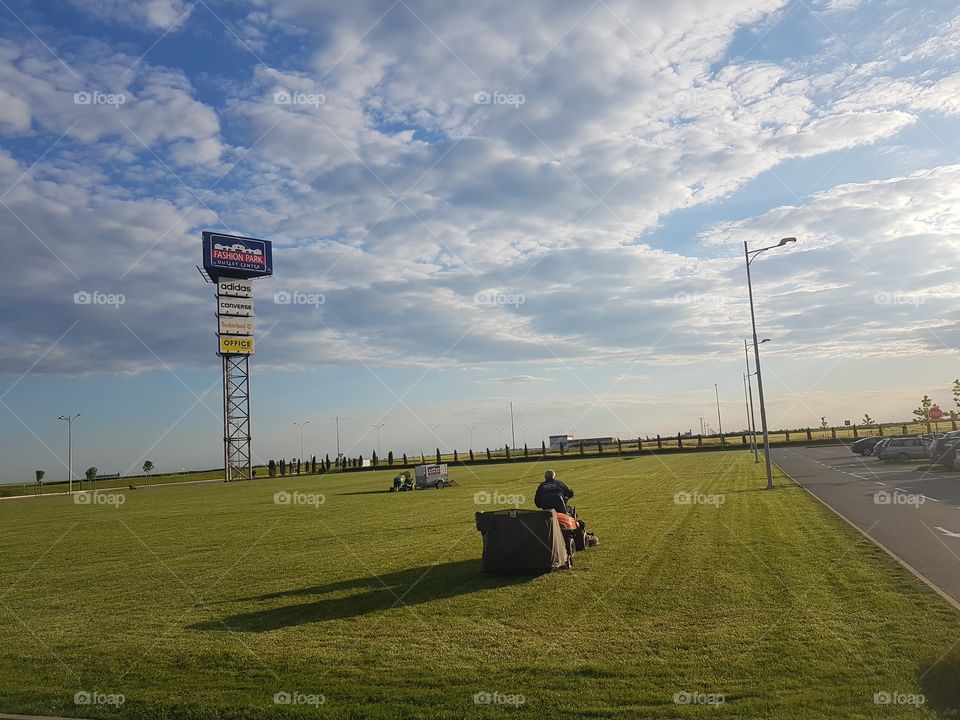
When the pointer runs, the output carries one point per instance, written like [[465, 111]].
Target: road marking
[[947, 532], [929, 498]]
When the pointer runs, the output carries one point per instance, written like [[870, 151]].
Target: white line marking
[[948, 533]]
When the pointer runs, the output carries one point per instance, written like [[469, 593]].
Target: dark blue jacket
[[548, 491]]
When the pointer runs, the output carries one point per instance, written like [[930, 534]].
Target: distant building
[[592, 442], [569, 441]]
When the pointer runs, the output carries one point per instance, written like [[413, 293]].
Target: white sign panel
[[235, 287], [235, 325], [242, 307]]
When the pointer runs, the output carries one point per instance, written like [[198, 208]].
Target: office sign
[[235, 287], [236, 256], [230, 345], [241, 307], [229, 325]]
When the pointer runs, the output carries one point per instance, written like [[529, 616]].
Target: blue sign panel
[[236, 256]]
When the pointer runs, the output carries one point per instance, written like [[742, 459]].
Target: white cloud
[[152, 14]]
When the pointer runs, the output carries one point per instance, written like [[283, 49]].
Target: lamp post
[[471, 429], [716, 392], [513, 433], [69, 419], [300, 425], [336, 419], [749, 256], [379, 450]]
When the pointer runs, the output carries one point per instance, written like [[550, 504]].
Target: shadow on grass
[[362, 596], [366, 492], [776, 486], [938, 681]]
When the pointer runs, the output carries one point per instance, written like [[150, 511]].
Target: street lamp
[[716, 392], [70, 419], [749, 256], [471, 429], [513, 433], [336, 419], [379, 450], [300, 425]]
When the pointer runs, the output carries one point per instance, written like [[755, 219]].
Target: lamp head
[[786, 241]]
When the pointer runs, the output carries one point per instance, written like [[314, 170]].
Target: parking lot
[[911, 512]]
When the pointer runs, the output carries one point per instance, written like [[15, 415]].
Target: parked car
[[943, 450], [864, 446], [876, 448], [903, 448]]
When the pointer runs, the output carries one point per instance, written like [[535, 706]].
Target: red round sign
[[935, 413]]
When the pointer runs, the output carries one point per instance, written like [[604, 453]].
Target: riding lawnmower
[[403, 482]]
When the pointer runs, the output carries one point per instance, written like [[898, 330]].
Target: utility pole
[[513, 434], [751, 418]]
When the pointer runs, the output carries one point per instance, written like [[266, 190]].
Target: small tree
[[456, 458], [328, 462], [438, 456], [148, 467], [599, 447], [404, 458], [272, 468], [867, 420], [581, 447], [507, 450], [390, 458], [471, 454], [40, 475], [923, 412], [313, 464], [373, 457], [488, 454], [526, 452], [563, 449], [543, 448], [823, 423], [91, 474]]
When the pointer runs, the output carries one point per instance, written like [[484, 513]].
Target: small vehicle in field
[[435, 476]]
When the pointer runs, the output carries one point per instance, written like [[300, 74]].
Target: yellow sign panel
[[236, 345]]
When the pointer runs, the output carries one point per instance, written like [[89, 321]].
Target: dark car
[[944, 450], [864, 446]]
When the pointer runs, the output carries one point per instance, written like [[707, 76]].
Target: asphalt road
[[912, 513]]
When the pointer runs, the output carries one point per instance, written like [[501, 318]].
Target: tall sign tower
[[232, 262]]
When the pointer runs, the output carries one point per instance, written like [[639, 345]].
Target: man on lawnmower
[[552, 494]]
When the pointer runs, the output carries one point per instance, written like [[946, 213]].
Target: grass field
[[204, 601]]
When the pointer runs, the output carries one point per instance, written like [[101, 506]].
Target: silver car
[[902, 448]]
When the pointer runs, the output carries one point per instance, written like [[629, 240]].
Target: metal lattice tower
[[236, 418]]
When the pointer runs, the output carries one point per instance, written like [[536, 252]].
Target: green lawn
[[204, 601]]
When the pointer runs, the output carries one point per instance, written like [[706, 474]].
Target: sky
[[470, 203]]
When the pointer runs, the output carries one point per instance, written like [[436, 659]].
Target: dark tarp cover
[[521, 541]]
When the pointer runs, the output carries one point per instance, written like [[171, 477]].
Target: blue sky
[[542, 202]]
